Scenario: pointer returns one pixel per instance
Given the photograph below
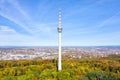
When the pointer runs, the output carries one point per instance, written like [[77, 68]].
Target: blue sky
[[35, 22]]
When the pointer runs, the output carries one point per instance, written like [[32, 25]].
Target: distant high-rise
[[59, 41]]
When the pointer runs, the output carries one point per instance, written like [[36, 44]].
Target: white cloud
[[19, 8], [10, 11], [79, 10], [15, 13], [9, 36], [23, 40], [108, 20], [7, 29]]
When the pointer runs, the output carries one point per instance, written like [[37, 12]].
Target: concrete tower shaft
[[59, 41]]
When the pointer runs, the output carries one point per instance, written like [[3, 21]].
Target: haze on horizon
[[35, 22]]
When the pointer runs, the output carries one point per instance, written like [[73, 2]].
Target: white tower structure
[[59, 41]]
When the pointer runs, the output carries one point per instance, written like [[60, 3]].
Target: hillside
[[73, 69]]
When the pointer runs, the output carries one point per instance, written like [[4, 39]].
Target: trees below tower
[[103, 68]]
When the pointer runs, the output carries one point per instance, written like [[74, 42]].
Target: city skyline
[[35, 22]]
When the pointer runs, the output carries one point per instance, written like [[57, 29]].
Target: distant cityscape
[[17, 53]]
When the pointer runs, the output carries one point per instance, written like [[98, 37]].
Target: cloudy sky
[[35, 22]]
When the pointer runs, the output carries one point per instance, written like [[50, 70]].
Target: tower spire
[[60, 18], [60, 22], [59, 41]]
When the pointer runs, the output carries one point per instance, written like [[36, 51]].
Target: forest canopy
[[72, 69]]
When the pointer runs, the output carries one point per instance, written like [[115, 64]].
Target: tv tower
[[59, 41]]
